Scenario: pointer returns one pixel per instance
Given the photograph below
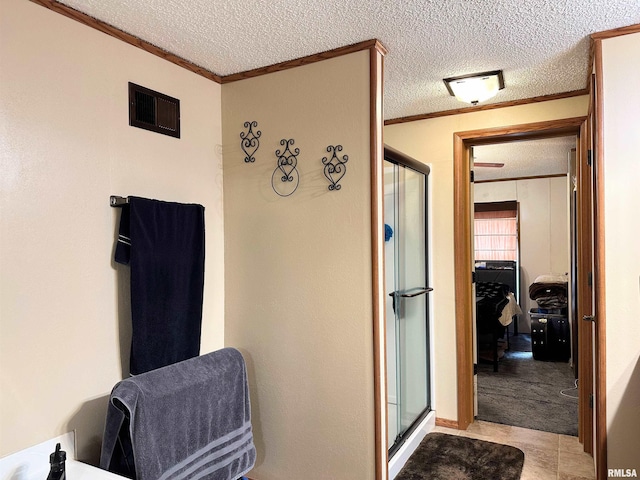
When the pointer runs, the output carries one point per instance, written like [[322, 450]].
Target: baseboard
[[440, 422], [443, 422]]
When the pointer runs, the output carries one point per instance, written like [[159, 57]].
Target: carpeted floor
[[526, 392], [448, 457]]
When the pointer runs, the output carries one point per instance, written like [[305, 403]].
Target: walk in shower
[[408, 292]]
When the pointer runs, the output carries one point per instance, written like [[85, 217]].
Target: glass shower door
[[408, 301]]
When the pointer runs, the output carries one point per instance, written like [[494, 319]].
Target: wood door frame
[[596, 110], [376, 77], [462, 236], [585, 305]]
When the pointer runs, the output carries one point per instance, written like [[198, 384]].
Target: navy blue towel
[[163, 242]]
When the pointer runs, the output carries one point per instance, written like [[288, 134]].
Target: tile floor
[[547, 456]]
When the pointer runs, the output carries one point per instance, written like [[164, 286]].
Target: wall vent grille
[[154, 111]]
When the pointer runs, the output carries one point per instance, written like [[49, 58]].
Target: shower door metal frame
[[393, 156]]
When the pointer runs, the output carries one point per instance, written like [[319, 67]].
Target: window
[[496, 231]]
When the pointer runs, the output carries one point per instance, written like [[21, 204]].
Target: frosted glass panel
[[407, 304], [411, 310]]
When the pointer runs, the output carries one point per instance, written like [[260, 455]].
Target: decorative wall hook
[[285, 178], [250, 141], [334, 167]]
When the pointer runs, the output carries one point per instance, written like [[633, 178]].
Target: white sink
[[81, 471], [33, 463]]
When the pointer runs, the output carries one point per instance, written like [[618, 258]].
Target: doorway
[[521, 203], [463, 141]]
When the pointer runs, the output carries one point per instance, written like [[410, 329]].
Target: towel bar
[[116, 201]]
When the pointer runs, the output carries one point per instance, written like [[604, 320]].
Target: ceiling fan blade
[[488, 164]]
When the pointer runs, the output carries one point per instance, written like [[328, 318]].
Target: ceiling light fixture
[[475, 87]]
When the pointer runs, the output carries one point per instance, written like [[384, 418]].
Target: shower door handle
[[414, 292], [411, 293]]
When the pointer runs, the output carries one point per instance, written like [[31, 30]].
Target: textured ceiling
[[542, 45], [524, 159]]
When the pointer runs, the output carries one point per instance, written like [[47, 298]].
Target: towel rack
[[116, 201]]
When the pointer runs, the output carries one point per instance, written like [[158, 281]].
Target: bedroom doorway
[[463, 141], [521, 235]]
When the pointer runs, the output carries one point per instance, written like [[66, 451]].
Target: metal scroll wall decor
[[250, 141], [335, 168], [285, 178]]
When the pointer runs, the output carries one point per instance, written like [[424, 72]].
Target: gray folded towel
[[189, 420]]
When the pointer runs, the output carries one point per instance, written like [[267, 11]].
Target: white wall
[[65, 146], [431, 141], [544, 229], [621, 76], [298, 270]]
